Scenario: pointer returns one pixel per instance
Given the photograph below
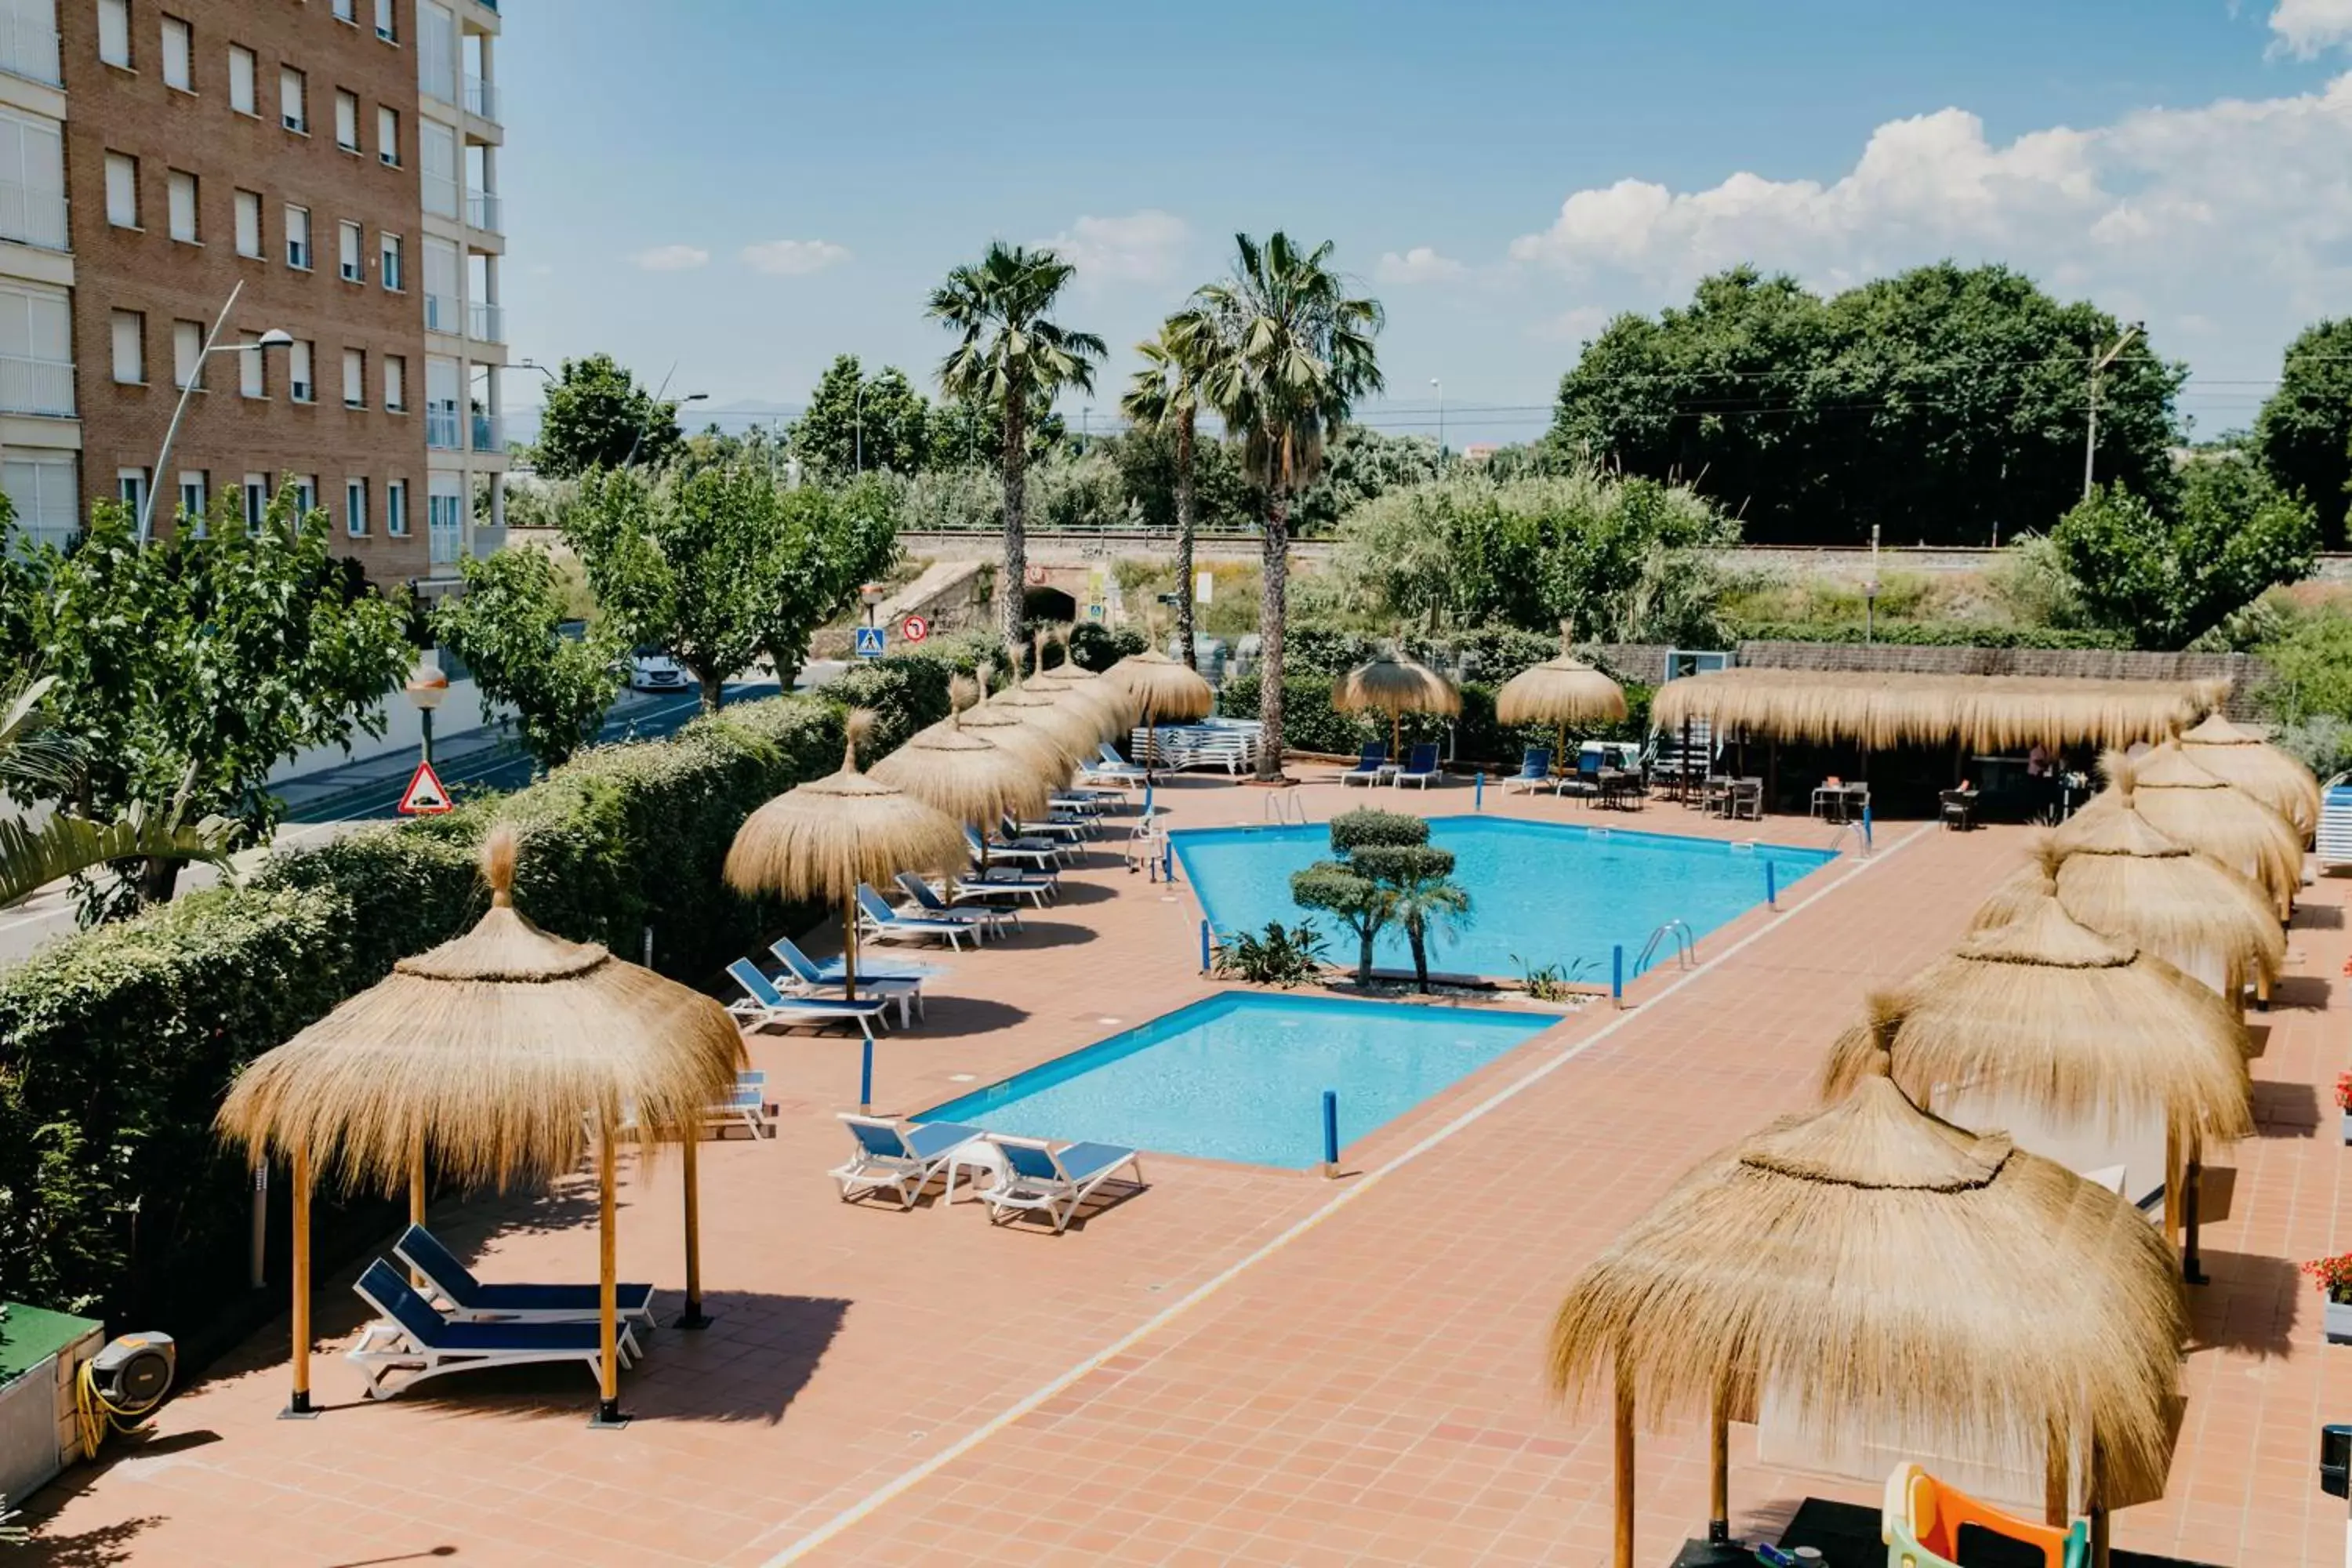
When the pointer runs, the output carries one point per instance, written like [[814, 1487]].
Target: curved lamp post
[[274, 338]]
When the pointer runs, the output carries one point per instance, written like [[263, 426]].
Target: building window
[[347, 253], [355, 508], [306, 494], [436, 52], [240, 80], [36, 365], [195, 493], [346, 11], [187, 351], [179, 56], [130, 488], [441, 403], [298, 385], [445, 519], [252, 370], [395, 384], [387, 136], [440, 147], [256, 502], [114, 32], [122, 190], [180, 188], [293, 99], [32, 181], [356, 378], [298, 238], [387, 26], [396, 508], [391, 256], [248, 223], [347, 121], [47, 496], [130, 348]]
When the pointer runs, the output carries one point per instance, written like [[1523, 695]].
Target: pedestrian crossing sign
[[869, 642]]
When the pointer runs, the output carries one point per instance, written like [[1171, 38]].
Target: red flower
[[2332, 1275]]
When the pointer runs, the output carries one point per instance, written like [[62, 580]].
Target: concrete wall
[[462, 710]]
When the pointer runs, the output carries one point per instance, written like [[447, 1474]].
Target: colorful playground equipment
[[1923, 1519]]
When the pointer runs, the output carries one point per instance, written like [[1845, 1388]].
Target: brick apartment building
[[335, 161]]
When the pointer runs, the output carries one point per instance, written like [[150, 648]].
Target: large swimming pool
[[1540, 893], [1241, 1077]]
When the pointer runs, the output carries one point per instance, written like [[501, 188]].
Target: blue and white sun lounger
[[809, 980], [1109, 764], [880, 921], [1045, 857], [979, 917], [1419, 767], [414, 1338], [763, 1005], [1040, 1180], [471, 1301], [1369, 767], [1534, 771], [896, 1159]]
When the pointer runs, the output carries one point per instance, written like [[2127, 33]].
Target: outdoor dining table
[[1841, 802]]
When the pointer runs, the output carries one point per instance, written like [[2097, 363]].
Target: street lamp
[[274, 338], [427, 684], [870, 595], [647, 422], [1434, 387]]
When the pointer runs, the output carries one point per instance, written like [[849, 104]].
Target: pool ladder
[[1685, 946], [1286, 808]]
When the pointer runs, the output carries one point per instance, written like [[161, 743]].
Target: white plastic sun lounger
[[762, 1004], [471, 1301], [412, 1337], [877, 919], [1040, 1179], [895, 1159]]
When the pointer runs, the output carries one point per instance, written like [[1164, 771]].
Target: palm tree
[[1165, 395], [1293, 351], [1009, 354], [33, 854]]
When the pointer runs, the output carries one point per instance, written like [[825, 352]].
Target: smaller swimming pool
[[1241, 1077]]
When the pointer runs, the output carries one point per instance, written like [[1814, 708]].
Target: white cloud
[[1421, 264], [794, 257], [2304, 27], [1578, 325], [1144, 247], [2237, 211], [671, 259]]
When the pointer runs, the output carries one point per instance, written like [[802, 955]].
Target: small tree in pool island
[[1385, 870]]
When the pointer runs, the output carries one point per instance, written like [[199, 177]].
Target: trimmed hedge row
[[1309, 722], [1935, 634], [117, 1044]]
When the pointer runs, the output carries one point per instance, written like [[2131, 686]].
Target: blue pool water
[[1241, 1077], [1550, 893]]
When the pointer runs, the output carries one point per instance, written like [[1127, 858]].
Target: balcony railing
[[441, 430], [486, 324], [35, 385], [441, 314], [446, 542], [482, 211], [481, 97], [32, 217], [29, 49], [486, 433]]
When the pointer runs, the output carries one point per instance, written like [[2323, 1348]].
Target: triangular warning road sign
[[424, 795]]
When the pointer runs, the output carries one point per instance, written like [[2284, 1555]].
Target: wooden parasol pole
[[693, 1317], [1718, 1467], [2054, 1499], [416, 1195], [2192, 1176], [2172, 1183], [849, 944], [2100, 1547], [298, 1408], [608, 1404], [1624, 1453]]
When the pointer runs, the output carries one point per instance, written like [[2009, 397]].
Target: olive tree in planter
[[2334, 1277], [1363, 906], [1423, 896]]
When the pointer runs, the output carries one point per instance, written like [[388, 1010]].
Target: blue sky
[[745, 188]]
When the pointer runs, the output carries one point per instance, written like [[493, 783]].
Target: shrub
[[1937, 634], [1367, 827], [1280, 957], [1095, 647]]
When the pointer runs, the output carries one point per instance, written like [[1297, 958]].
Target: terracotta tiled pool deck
[[1238, 1366]]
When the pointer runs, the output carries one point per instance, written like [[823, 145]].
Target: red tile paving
[[1239, 1365]]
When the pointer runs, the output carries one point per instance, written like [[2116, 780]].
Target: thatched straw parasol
[[1161, 688], [2016, 894], [1870, 1271], [1879, 710], [820, 839], [1108, 707], [1050, 746], [963, 773], [1560, 691], [2183, 801], [1395, 685], [2117, 874], [1076, 730], [2048, 1013], [486, 1051], [2243, 758]]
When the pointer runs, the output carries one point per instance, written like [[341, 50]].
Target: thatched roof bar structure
[[1880, 710]]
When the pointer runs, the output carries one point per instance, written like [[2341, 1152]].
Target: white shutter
[[347, 121], [387, 136], [250, 376], [248, 223], [240, 80], [182, 187], [347, 252], [129, 353], [187, 351], [298, 372], [289, 99], [354, 378], [395, 381], [114, 32], [122, 190], [178, 70]]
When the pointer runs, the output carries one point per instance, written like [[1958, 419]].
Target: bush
[[1367, 828], [1937, 634], [1095, 647], [1281, 957], [117, 1044]]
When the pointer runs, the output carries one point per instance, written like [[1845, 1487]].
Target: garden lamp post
[[870, 595], [427, 684], [274, 338]]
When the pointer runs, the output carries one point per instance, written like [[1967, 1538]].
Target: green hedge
[[1934, 633], [117, 1044], [1309, 722]]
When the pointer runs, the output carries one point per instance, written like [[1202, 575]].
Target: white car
[[651, 669]]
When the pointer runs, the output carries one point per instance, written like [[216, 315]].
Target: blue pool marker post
[[1167, 860], [1205, 947], [1617, 974], [1147, 798], [1772, 887], [865, 1079], [1478, 792], [1865, 829], [1330, 1133]]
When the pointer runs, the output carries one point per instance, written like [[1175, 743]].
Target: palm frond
[[33, 855]]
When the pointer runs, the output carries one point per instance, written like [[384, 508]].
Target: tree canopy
[[596, 416], [507, 626], [2304, 429], [1946, 405], [889, 423]]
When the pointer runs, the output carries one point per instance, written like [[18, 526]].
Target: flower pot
[[2339, 1322], [2343, 1121]]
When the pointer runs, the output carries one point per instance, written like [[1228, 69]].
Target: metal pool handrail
[[1685, 945]]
